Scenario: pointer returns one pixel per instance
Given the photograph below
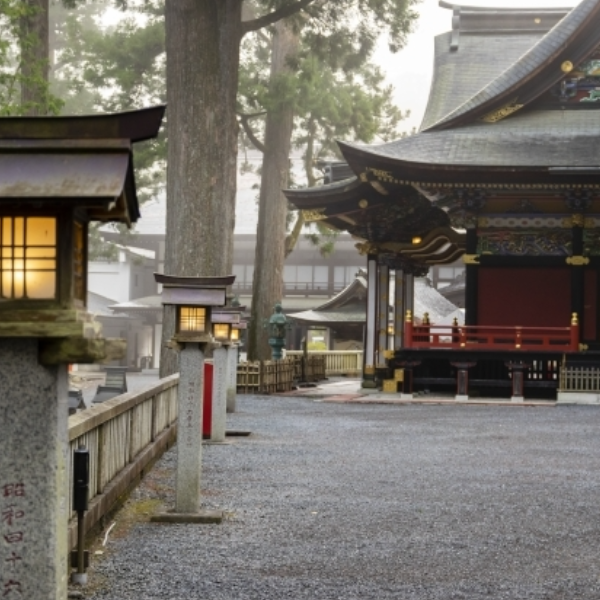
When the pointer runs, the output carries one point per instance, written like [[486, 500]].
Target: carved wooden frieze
[[556, 242]]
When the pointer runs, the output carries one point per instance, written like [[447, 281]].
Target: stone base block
[[461, 397], [368, 383], [578, 398], [516, 399], [201, 517], [390, 386], [406, 396]]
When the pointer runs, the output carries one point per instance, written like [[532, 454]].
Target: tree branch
[[244, 120], [292, 238], [281, 13]]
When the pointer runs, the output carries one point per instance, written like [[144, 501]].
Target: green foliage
[[316, 346], [16, 49], [114, 69], [333, 88]]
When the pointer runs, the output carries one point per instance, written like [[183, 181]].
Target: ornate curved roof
[[537, 138], [514, 105], [570, 41]]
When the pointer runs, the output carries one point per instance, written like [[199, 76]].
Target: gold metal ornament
[[577, 261], [471, 259], [566, 66], [502, 112], [312, 216]]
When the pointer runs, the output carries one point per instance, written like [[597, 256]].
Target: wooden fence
[[124, 435], [337, 362], [579, 379], [272, 376]]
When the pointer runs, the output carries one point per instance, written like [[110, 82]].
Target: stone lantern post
[[224, 321], [194, 298], [56, 175]]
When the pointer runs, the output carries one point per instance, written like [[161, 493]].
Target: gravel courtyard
[[373, 502]]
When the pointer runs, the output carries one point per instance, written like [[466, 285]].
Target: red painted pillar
[[574, 333]]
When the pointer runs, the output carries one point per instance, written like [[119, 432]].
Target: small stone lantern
[[225, 368], [195, 299]]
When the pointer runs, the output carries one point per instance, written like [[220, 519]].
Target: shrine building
[[505, 173]]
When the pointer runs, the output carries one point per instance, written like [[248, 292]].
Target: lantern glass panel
[[192, 318], [235, 335], [221, 331], [28, 265]]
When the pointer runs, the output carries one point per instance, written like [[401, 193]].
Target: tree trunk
[[202, 41], [271, 231], [35, 58]]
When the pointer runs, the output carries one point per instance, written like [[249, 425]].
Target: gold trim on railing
[[577, 261]]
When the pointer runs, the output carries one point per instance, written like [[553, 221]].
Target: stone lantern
[[278, 326], [195, 299], [224, 321], [57, 174]]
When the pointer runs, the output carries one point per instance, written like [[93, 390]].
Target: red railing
[[485, 337]]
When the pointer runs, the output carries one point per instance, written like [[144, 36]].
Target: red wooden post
[[574, 332], [518, 339], [408, 330]]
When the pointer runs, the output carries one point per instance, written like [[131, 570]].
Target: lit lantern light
[[416, 240], [226, 320], [193, 319], [195, 298], [235, 335], [222, 332], [28, 266]]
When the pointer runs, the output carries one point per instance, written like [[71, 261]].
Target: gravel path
[[342, 501]]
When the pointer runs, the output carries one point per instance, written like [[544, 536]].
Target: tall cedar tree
[[203, 51], [35, 57], [267, 287], [353, 103], [25, 59]]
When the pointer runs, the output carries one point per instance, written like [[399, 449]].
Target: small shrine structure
[[503, 172]]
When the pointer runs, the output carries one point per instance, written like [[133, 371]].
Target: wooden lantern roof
[[81, 161], [194, 282]]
